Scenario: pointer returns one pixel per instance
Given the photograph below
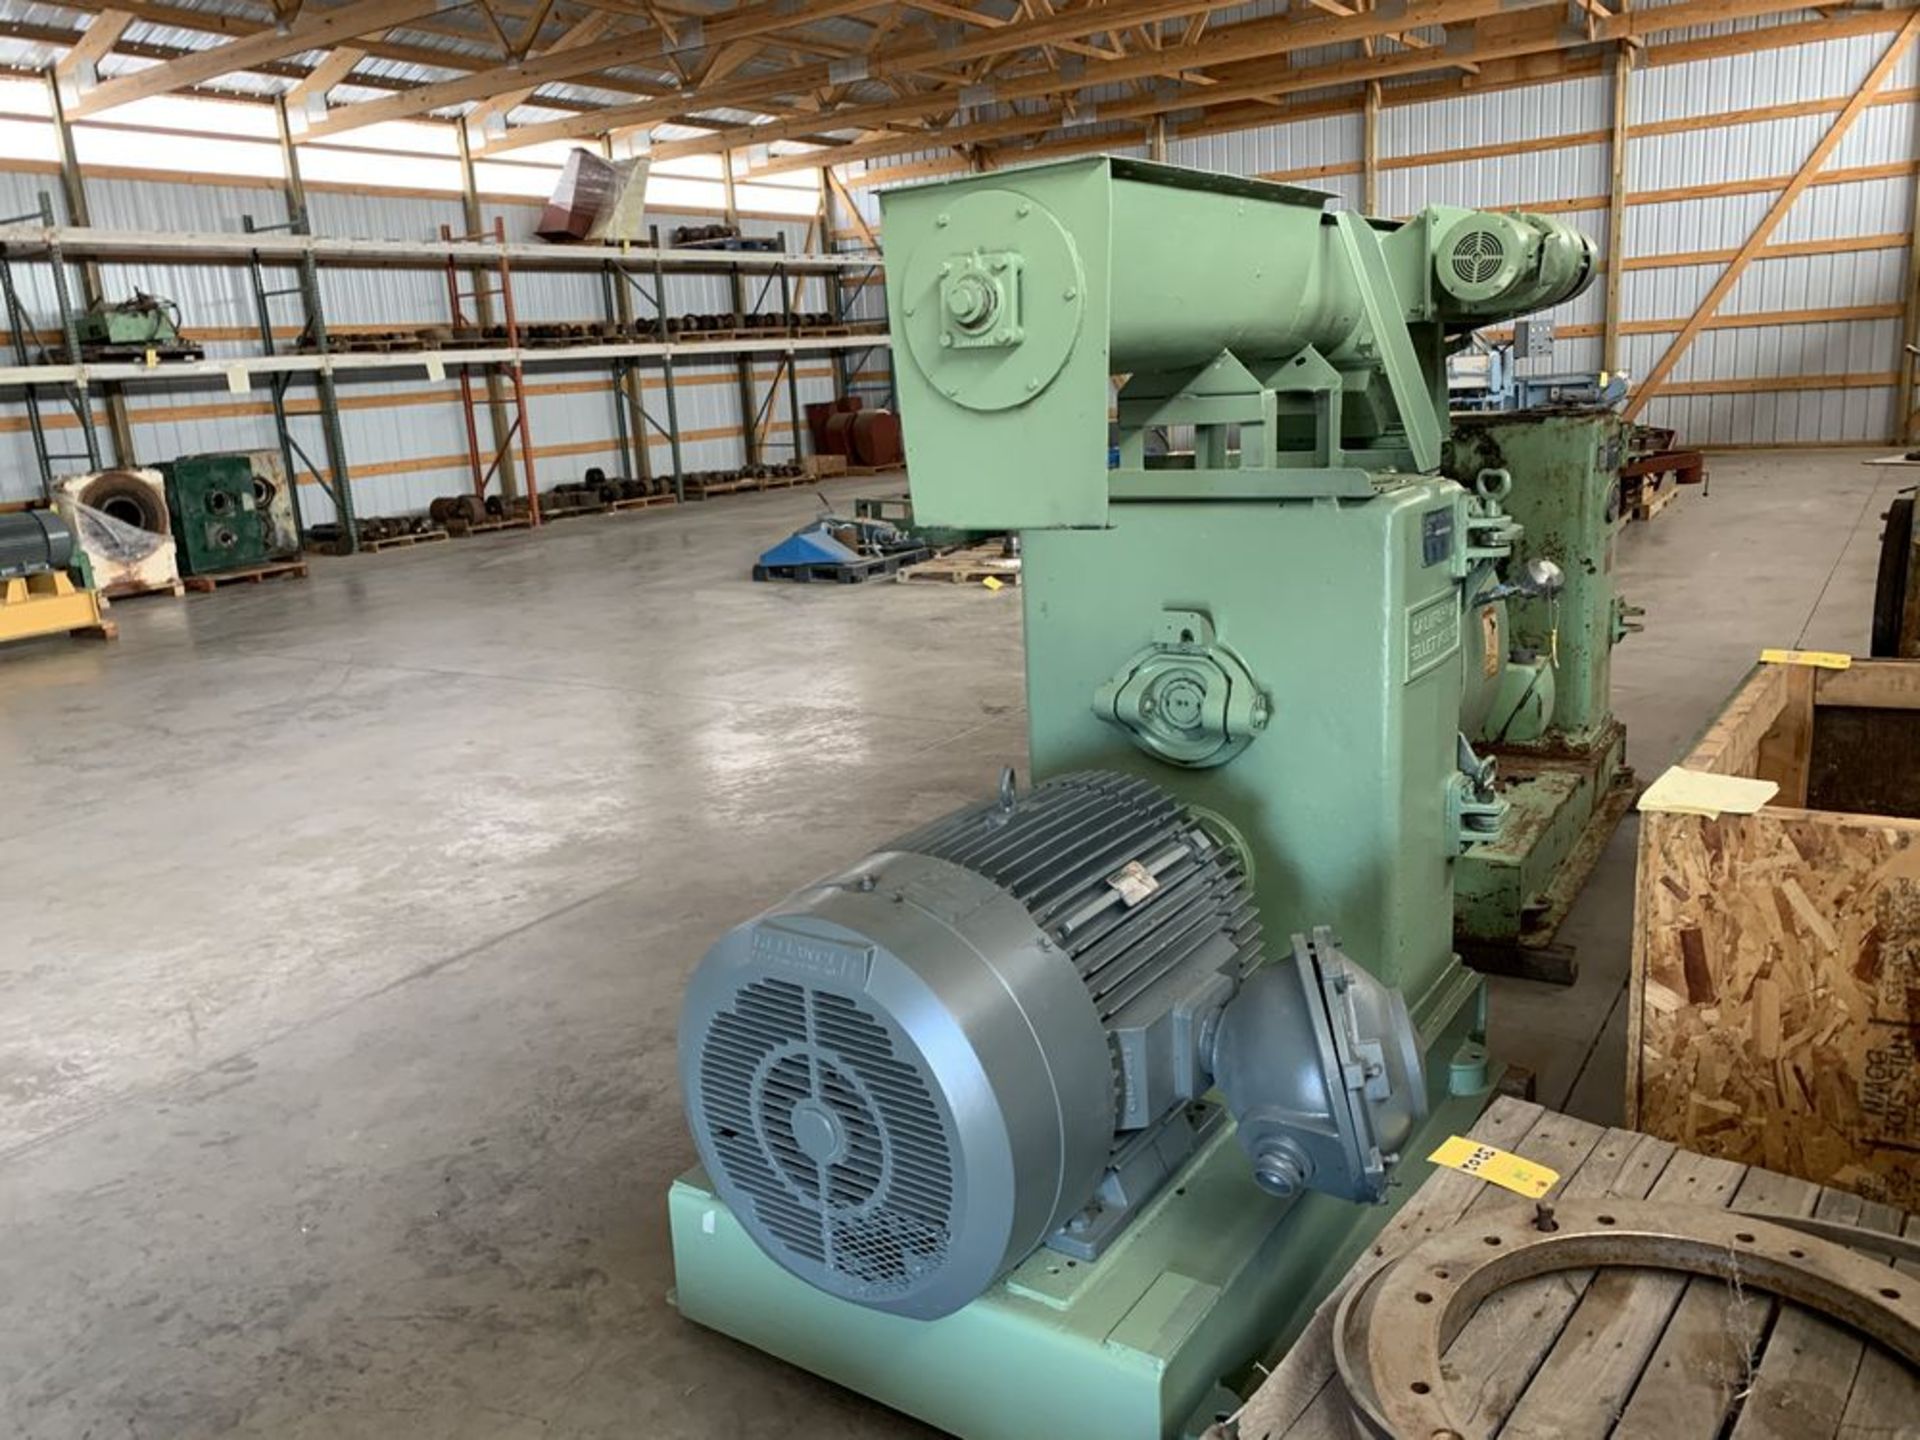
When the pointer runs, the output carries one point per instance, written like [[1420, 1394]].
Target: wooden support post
[[1617, 207], [1370, 150], [1907, 424], [73, 188], [743, 366], [1157, 139], [1856, 107], [499, 422]]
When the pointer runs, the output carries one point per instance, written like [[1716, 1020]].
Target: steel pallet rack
[[335, 479], [261, 247], [514, 370], [21, 327]]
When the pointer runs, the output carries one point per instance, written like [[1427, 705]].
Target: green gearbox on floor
[[1055, 1113]]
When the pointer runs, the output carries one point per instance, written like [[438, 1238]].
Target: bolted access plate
[[992, 306]]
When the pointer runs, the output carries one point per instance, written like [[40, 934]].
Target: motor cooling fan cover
[[895, 1082]]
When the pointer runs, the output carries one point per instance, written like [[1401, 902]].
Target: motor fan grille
[[873, 1208], [1477, 257]]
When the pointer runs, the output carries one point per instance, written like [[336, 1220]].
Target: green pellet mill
[[1054, 1114], [1548, 720]]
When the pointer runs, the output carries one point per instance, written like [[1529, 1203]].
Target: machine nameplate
[[1433, 633], [1436, 536], [821, 959]]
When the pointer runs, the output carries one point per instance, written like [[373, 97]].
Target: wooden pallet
[[969, 565], [128, 592], [643, 502], [252, 575], [400, 542], [460, 531], [721, 487], [1657, 1354], [1645, 496]]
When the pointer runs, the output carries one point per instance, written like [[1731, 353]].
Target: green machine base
[[1511, 895], [1133, 1346]]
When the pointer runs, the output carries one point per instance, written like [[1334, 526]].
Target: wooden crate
[[1620, 1352], [1775, 995]]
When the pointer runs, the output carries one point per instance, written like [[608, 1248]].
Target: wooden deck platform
[[1632, 1353]]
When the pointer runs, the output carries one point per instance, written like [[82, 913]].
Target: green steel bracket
[[1625, 619], [1474, 807], [1186, 698], [1386, 317], [1488, 531]]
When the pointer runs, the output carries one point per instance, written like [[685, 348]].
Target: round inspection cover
[[128, 498], [1052, 299]]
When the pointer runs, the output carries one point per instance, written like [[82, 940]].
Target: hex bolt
[[1023, 211], [1543, 1220], [1070, 293], [946, 340], [1032, 383], [942, 220]]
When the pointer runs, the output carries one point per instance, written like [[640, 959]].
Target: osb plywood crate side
[[1776, 981]]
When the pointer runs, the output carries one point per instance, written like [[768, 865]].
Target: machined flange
[[1393, 1327]]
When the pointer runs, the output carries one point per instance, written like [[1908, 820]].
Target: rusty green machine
[[1542, 665], [1054, 1114]]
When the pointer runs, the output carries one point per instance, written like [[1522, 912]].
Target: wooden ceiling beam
[[311, 92], [319, 30], [1503, 33], [1253, 40], [750, 93], [493, 113], [102, 34], [646, 47]]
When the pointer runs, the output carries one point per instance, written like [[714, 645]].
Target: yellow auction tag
[[1820, 659], [991, 583], [153, 358], [1496, 1167]]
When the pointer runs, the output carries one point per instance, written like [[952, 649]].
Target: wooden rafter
[[321, 30], [1809, 168], [1266, 43], [1503, 32], [651, 46], [750, 92], [102, 34], [311, 93], [493, 112]]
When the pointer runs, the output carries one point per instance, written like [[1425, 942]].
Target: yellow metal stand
[[33, 605]]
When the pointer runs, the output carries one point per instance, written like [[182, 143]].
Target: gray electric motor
[[996, 1033], [34, 542]]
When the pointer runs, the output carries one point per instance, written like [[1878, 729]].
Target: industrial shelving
[[628, 271]]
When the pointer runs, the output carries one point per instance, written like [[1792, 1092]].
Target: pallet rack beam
[[216, 247]]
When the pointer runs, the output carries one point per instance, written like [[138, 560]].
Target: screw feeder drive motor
[[1051, 1114]]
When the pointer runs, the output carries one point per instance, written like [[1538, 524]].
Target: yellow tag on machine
[[1495, 1166]]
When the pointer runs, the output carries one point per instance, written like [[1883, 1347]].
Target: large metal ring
[[1411, 1311]]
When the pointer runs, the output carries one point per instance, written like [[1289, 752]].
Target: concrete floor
[[345, 922]]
